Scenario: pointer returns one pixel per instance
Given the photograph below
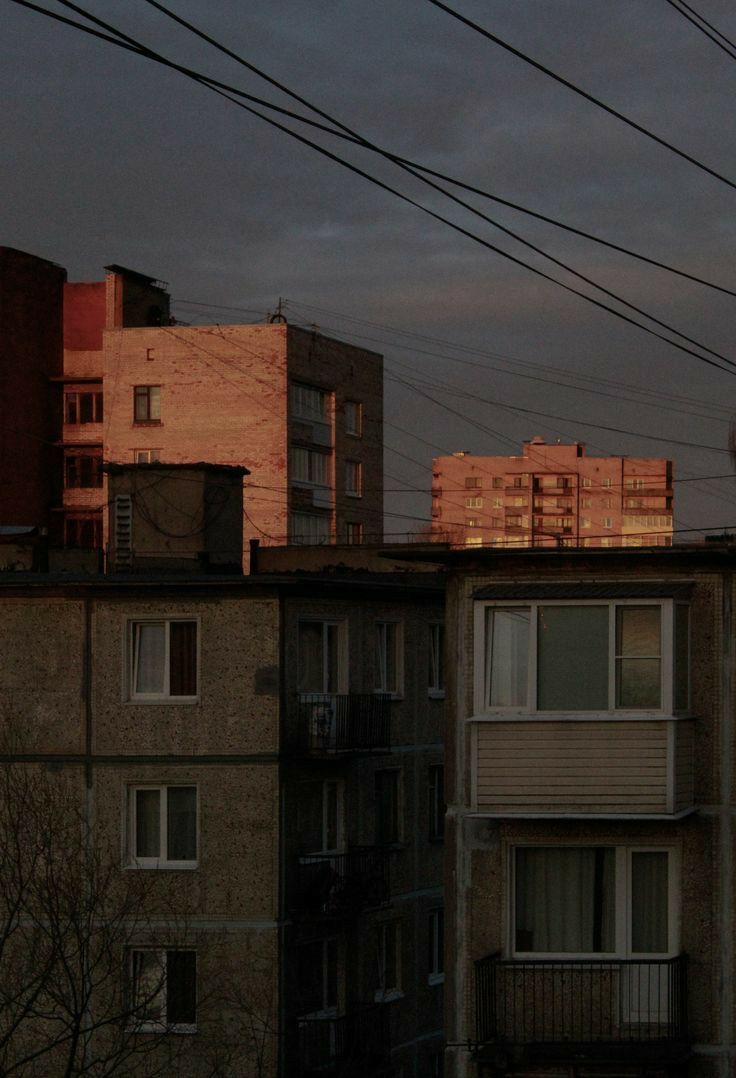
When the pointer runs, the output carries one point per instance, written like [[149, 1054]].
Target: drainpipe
[[725, 822]]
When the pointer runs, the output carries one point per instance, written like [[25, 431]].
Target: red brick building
[[552, 495]]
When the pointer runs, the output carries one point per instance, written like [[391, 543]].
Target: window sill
[[436, 978], [159, 1028], [352, 494], [389, 694], [161, 866], [185, 701], [579, 716], [389, 996], [147, 423], [436, 694]]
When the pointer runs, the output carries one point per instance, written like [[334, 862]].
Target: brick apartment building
[[270, 746], [95, 372], [552, 495], [590, 828]]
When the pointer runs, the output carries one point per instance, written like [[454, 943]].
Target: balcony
[[339, 723], [582, 1009], [340, 885], [356, 1043]]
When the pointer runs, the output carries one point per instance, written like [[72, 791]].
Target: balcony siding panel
[[581, 767]]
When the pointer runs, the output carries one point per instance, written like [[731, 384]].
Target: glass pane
[[154, 402], [638, 683], [183, 658], [649, 929], [148, 981], [572, 670], [150, 650], [181, 988], [682, 657], [147, 823], [330, 816], [309, 817], [638, 630], [311, 670], [508, 657], [565, 899], [332, 674], [330, 973], [181, 823]]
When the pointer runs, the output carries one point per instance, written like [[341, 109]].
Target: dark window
[[82, 408], [82, 471], [436, 801], [147, 404], [84, 533], [388, 820]]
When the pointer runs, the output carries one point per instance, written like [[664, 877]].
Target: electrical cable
[[682, 9]]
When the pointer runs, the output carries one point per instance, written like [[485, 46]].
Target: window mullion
[[666, 654], [167, 658], [163, 824], [612, 661], [532, 683], [623, 901]]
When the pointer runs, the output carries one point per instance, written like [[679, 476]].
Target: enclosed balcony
[[341, 885], [334, 723], [582, 1009], [356, 1043]]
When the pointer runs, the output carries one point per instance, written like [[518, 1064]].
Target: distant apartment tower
[[96, 371], [552, 495]]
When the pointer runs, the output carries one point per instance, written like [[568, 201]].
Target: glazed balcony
[[356, 1043], [340, 885], [340, 723], [582, 1009]]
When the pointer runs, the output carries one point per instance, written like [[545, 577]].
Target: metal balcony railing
[[341, 884], [344, 722], [355, 1043], [581, 1002]]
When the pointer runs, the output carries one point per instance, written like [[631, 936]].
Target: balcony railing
[[582, 1004], [342, 884], [344, 722], [356, 1043]]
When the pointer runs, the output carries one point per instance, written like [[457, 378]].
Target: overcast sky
[[108, 157]]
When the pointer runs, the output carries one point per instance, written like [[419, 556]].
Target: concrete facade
[[552, 496], [528, 1000]]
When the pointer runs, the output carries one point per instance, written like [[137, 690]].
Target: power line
[[581, 93], [700, 23]]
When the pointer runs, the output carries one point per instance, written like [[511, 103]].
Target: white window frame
[[146, 456], [385, 993], [163, 861], [476, 502], [162, 1026], [481, 679], [163, 697], [435, 926], [436, 649], [342, 673], [623, 907], [382, 644]]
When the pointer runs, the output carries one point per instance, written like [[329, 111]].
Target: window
[[436, 946], [585, 657], [476, 503], [162, 826], [607, 522], [353, 478], [584, 522], [436, 801], [146, 456], [82, 470], [497, 482], [163, 660], [322, 657], [317, 976], [607, 483], [147, 404], [82, 408], [521, 481], [436, 657], [593, 900], [586, 482], [388, 980], [497, 503], [309, 466], [585, 503], [633, 484], [516, 501], [474, 540], [388, 672], [308, 402], [473, 481], [164, 990], [353, 418], [309, 529], [83, 533], [319, 808], [353, 532], [473, 522], [388, 806]]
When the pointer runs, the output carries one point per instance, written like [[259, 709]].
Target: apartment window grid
[[388, 806], [147, 404], [354, 418], [436, 802], [389, 657], [163, 990], [162, 826], [81, 408], [436, 946], [82, 470], [164, 660]]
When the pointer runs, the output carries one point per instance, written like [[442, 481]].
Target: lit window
[[587, 657], [147, 404], [473, 522], [436, 948], [163, 660], [477, 503], [162, 826], [353, 418], [164, 990], [436, 801], [388, 672], [82, 408], [607, 483], [388, 806], [568, 900], [388, 983], [353, 478], [436, 641], [586, 481], [82, 470], [146, 456], [474, 540]]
